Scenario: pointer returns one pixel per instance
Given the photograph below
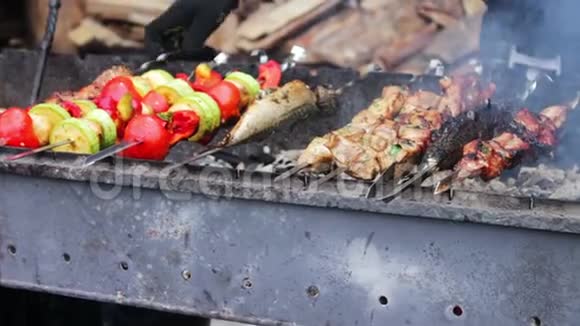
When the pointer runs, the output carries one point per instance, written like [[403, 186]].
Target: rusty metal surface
[[277, 264]]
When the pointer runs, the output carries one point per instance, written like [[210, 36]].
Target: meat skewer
[[371, 148], [448, 143], [317, 156], [488, 159]]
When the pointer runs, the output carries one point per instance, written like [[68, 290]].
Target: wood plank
[[267, 21], [91, 30], [291, 27]]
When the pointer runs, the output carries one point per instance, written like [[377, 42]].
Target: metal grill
[[228, 243]]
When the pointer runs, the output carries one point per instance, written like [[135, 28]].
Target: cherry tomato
[[270, 74], [17, 129], [156, 101], [150, 130], [183, 125], [228, 97], [117, 87]]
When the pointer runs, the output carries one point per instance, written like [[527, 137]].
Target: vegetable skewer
[[188, 114]]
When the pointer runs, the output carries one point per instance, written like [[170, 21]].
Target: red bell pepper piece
[[270, 74], [182, 125], [74, 110]]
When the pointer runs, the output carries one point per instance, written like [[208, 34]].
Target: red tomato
[[118, 87], [156, 101], [270, 74], [227, 95], [17, 129], [150, 130], [183, 125]]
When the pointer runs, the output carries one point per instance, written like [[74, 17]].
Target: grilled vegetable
[[153, 137], [157, 77], [17, 129], [182, 125], [125, 107], [248, 86], [118, 87], [175, 90], [154, 102], [107, 130], [45, 117], [228, 97], [205, 78], [208, 117], [86, 106], [84, 139], [269, 74]]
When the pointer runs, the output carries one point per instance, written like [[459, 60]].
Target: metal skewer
[[444, 184], [219, 59], [38, 150], [333, 174], [197, 157], [162, 58], [45, 47], [110, 151], [371, 190], [424, 170], [291, 172]]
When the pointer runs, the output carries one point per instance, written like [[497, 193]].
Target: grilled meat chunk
[[92, 90]]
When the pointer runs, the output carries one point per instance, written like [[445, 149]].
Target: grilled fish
[[291, 102]]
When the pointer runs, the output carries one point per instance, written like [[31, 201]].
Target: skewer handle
[[45, 47]]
